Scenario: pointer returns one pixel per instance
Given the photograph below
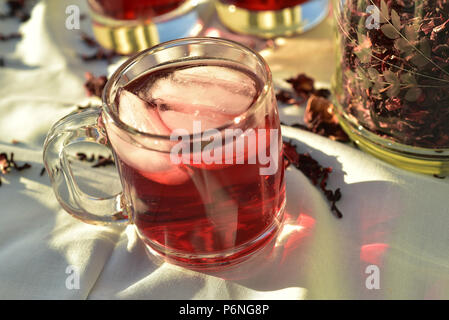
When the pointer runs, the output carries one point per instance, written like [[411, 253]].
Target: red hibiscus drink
[[264, 4], [208, 187], [134, 9]]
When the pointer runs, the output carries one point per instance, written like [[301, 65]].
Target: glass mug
[[129, 26], [194, 129], [271, 18]]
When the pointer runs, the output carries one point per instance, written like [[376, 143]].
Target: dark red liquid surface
[[133, 9], [259, 5], [218, 208]]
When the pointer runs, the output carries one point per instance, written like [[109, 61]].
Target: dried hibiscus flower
[[304, 88], [101, 162], [8, 163], [286, 97], [94, 85], [5, 166], [319, 115], [89, 41], [10, 36], [100, 52], [16, 9], [302, 85], [316, 173], [320, 118]]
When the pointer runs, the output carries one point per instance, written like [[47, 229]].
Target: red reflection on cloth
[[293, 232], [373, 253]]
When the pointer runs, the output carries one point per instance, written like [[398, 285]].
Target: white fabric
[[394, 219]]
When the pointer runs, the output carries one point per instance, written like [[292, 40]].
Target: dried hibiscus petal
[[8, 163], [94, 85], [5, 166], [16, 9], [320, 118], [88, 40], [319, 115], [99, 54], [287, 97], [103, 162], [316, 173], [10, 36], [303, 85]]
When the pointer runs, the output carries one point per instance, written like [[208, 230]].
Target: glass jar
[[391, 86], [271, 18]]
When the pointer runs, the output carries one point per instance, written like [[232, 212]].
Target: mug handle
[[74, 128]]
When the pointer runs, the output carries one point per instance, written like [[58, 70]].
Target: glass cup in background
[[200, 214], [129, 26], [271, 18]]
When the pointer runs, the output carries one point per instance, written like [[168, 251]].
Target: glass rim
[[107, 103]]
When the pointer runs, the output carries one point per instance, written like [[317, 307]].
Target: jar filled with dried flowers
[[391, 87]]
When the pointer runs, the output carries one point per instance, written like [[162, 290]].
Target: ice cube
[[154, 165], [140, 115], [177, 119], [204, 89]]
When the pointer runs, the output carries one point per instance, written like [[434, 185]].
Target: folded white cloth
[[395, 223]]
